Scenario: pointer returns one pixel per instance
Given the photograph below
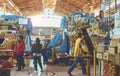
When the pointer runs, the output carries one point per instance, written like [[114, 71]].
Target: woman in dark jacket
[[36, 52]]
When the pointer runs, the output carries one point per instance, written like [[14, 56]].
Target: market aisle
[[28, 70], [49, 70]]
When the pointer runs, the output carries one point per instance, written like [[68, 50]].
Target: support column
[[94, 62], [115, 8], [4, 5], [88, 67]]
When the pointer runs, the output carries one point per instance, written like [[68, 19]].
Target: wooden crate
[[99, 55], [105, 56], [117, 59], [118, 48], [112, 49], [109, 57], [100, 49], [114, 41]]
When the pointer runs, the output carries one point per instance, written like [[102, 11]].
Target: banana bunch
[[15, 22], [106, 34], [8, 42], [72, 37], [95, 28]]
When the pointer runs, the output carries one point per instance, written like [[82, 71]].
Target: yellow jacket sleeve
[[77, 49]]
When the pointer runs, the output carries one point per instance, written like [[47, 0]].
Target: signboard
[[116, 33], [117, 19], [23, 21], [103, 6]]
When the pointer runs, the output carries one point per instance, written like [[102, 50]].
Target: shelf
[[13, 31], [6, 50]]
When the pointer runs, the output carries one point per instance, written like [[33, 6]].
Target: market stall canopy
[[61, 7]]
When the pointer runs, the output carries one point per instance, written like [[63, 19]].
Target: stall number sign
[[23, 21], [116, 32], [117, 19]]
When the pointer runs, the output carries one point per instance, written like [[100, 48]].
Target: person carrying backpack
[[36, 52]]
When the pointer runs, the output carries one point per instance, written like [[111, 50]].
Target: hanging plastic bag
[[27, 43]]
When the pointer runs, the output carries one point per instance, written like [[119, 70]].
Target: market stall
[[94, 29], [11, 27]]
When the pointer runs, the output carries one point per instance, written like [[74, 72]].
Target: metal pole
[[109, 15], [115, 9], [88, 67], [94, 62], [4, 5]]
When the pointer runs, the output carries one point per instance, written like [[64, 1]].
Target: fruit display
[[9, 40], [8, 33], [110, 69]]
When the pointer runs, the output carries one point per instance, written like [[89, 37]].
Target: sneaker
[[69, 74], [23, 66], [41, 70], [35, 72], [85, 73]]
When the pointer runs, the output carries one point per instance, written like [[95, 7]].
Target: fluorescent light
[[10, 3]]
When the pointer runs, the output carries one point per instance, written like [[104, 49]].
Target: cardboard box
[[109, 57], [100, 49], [117, 59], [105, 56], [118, 48], [112, 49], [114, 41], [99, 55]]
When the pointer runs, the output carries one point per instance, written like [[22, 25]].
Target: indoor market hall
[[59, 37]]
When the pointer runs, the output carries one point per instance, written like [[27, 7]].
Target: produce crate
[[109, 57], [100, 49], [114, 41], [118, 48], [117, 59], [99, 55], [112, 49]]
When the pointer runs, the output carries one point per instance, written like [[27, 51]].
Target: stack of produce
[[109, 69]]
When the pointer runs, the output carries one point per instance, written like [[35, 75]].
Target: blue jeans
[[20, 61], [78, 59]]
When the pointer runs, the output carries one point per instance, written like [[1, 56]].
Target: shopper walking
[[78, 54], [36, 52], [20, 47]]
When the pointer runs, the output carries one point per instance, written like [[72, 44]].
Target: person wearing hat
[[36, 53]]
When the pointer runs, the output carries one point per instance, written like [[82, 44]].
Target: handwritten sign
[[117, 19]]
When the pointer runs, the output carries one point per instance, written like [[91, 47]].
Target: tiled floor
[[49, 70]]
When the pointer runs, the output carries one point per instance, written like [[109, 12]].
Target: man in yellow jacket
[[78, 54]]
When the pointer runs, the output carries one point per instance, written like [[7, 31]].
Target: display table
[[6, 50], [5, 71], [5, 53], [62, 59], [108, 68]]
